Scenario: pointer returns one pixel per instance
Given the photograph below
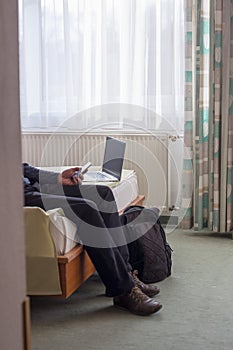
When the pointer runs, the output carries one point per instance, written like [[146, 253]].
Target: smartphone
[[83, 169]]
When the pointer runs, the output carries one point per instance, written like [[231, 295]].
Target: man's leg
[[103, 197]]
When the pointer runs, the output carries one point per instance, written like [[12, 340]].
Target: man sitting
[[93, 209]]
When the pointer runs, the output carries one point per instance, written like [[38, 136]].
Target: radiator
[[153, 157]]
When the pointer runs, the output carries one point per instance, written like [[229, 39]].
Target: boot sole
[[151, 295], [138, 312]]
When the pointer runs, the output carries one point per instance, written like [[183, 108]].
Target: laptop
[[112, 162]]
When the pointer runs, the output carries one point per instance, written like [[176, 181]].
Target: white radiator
[[148, 154]]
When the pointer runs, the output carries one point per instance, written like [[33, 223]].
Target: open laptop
[[112, 163]]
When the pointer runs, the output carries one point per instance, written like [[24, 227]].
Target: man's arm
[[67, 177], [41, 176]]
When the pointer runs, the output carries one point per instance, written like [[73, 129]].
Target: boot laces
[[136, 279], [137, 295]]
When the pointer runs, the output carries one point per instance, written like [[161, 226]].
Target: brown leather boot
[[137, 302], [148, 289]]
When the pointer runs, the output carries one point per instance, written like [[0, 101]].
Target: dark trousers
[[94, 211]]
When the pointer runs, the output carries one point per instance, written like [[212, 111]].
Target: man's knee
[[105, 193]]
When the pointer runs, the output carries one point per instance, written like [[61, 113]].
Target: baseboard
[[171, 220]]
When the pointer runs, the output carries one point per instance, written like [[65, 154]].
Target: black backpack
[[149, 251]]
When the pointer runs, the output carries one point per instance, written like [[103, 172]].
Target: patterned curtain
[[208, 163]]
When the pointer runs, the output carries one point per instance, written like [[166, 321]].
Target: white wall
[[12, 264]]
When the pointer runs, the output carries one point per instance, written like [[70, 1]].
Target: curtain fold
[[207, 185]]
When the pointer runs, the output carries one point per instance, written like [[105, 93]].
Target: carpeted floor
[[197, 312]]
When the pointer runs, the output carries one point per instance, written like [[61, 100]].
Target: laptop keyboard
[[98, 176], [101, 176]]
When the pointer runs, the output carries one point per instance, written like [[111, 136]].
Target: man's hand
[[69, 178]]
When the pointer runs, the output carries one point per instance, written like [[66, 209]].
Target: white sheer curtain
[[101, 57]]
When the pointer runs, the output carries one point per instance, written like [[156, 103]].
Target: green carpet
[[197, 312]]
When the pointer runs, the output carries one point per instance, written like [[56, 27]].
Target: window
[[101, 64]]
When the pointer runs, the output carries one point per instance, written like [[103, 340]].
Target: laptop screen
[[113, 157]]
